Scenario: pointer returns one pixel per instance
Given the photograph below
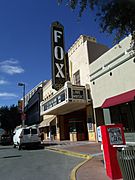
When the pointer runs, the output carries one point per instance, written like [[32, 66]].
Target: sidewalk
[[93, 169]]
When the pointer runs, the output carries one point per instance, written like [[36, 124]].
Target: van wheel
[[14, 146]]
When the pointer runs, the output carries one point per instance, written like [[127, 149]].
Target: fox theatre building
[[67, 107]]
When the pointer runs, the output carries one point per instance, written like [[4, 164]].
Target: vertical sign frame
[[58, 56]]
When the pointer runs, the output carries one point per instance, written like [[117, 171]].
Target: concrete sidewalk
[[93, 168]]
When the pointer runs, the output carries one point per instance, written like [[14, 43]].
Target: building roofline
[[79, 41]]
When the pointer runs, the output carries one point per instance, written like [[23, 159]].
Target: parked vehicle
[[28, 136], [2, 131], [6, 139]]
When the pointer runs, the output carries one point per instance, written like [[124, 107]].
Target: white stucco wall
[[79, 61], [83, 52], [48, 91], [120, 62]]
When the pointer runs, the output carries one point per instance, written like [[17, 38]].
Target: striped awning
[[47, 120]]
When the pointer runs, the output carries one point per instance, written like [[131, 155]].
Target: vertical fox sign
[[58, 56]]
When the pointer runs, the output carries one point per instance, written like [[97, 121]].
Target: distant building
[[32, 104]]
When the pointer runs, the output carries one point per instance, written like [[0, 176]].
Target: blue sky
[[25, 45]]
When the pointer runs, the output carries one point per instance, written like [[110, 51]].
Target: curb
[[74, 171], [71, 153]]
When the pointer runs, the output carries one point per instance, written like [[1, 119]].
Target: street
[[35, 164]]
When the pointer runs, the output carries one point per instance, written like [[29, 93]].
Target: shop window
[[124, 114], [76, 126], [99, 116], [53, 130], [77, 78]]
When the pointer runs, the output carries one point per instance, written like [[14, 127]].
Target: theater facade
[[68, 112]]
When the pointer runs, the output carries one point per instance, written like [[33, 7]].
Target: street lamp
[[23, 109]]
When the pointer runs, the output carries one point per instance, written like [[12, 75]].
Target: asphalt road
[[35, 164]]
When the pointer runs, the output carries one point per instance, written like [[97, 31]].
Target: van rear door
[[35, 135], [26, 136]]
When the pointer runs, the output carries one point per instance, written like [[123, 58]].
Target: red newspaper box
[[112, 134]]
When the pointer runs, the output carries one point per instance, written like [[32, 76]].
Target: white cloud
[[11, 67], [5, 94], [3, 82], [9, 61]]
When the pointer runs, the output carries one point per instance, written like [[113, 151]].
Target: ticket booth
[[112, 135]]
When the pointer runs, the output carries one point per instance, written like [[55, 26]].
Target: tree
[[10, 117], [114, 15]]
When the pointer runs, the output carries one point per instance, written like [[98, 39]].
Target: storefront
[[113, 87], [122, 110], [48, 127], [71, 106]]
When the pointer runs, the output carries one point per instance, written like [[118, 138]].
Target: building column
[[73, 136], [57, 129], [90, 124], [107, 117], [45, 133]]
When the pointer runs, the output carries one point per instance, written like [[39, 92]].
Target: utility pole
[[23, 109]]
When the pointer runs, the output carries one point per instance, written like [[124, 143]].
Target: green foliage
[[9, 117], [118, 16], [114, 15]]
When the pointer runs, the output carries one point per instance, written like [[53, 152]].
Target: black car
[[6, 139]]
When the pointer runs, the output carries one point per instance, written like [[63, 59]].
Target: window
[[76, 126], [33, 131], [124, 114], [26, 131], [77, 78]]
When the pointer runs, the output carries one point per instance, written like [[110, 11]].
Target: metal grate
[[126, 160]]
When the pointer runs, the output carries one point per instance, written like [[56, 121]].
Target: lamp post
[[23, 109]]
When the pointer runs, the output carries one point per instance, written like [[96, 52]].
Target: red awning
[[119, 99]]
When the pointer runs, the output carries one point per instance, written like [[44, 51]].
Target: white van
[[26, 136]]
